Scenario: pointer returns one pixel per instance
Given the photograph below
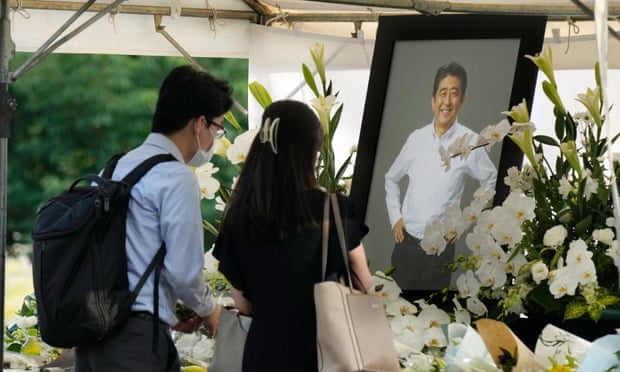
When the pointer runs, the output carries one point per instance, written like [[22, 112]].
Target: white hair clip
[[269, 133]]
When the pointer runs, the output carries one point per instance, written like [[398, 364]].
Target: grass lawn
[[18, 284]]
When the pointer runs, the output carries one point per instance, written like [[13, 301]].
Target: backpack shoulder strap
[[134, 176], [110, 165]]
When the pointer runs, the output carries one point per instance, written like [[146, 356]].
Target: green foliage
[[76, 111]]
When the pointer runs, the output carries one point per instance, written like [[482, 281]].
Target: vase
[[528, 329]]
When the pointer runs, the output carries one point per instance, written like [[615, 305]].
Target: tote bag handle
[[331, 198]]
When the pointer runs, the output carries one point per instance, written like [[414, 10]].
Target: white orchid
[[476, 306], [238, 150], [461, 314], [208, 184], [468, 285], [540, 272], [385, 287], [434, 241]]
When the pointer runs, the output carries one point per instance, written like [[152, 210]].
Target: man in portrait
[[431, 186]]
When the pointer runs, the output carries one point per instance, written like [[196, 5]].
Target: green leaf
[[232, 120], [389, 270], [309, 78], [581, 227], [343, 167], [608, 300], [575, 310], [595, 313], [14, 347], [260, 93], [571, 128], [547, 140], [559, 125], [541, 296], [333, 123]]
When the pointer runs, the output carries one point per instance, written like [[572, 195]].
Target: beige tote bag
[[352, 329]]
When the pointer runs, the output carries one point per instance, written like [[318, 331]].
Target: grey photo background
[[490, 66]]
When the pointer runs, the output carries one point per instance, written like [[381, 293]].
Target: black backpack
[[80, 264]]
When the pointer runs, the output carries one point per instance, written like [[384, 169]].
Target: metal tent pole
[[7, 106]]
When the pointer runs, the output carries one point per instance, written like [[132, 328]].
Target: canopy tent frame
[[261, 13]]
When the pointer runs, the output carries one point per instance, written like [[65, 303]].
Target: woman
[[269, 246]]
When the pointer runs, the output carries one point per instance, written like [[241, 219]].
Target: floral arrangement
[[551, 247], [22, 338]]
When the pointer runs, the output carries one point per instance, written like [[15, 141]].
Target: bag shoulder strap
[[110, 165], [331, 198], [134, 176], [325, 237], [341, 237]]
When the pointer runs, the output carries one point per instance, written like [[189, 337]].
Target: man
[[431, 188], [165, 208]]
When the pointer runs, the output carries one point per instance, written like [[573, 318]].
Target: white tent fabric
[[227, 36], [135, 35], [276, 57]]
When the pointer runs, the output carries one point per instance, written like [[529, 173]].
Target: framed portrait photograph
[[412, 74]]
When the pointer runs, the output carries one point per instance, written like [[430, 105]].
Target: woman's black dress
[[278, 278]]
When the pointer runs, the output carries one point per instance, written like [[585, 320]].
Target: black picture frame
[[408, 51]]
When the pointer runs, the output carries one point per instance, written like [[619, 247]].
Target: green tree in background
[[76, 111]]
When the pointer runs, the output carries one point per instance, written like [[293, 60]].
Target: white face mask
[[201, 156]]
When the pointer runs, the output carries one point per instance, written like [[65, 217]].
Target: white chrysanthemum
[[614, 253], [591, 187], [565, 187], [610, 222], [605, 236], [555, 236]]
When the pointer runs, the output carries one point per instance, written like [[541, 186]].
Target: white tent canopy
[[221, 28]]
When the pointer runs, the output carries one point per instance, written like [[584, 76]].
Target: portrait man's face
[[447, 101]]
